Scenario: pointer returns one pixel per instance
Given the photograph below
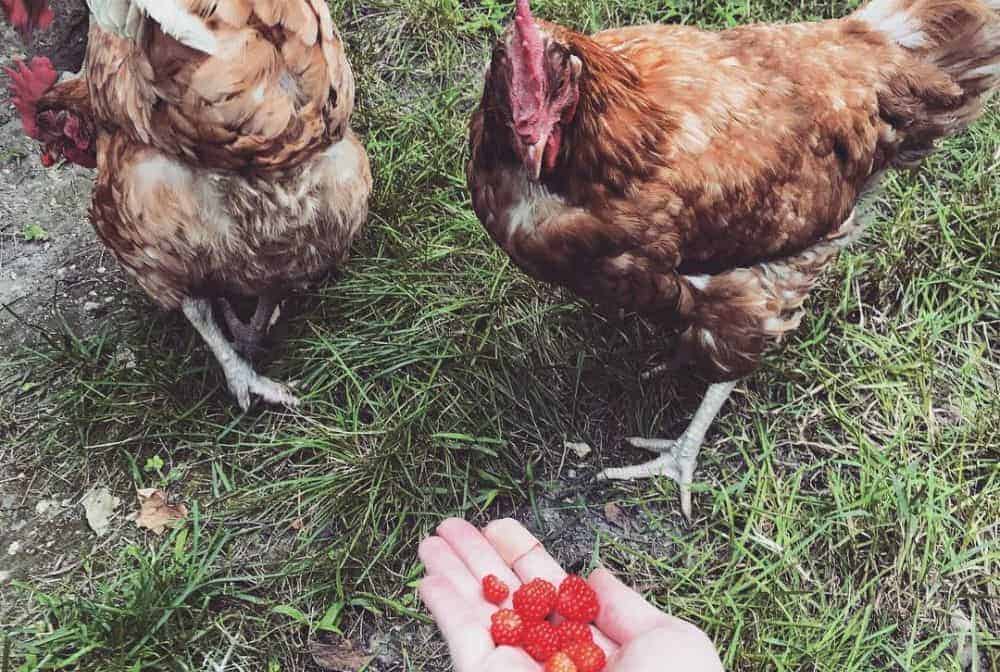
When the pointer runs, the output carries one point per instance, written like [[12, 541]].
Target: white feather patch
[[890, 18], [179, 23], [113, 15], [535, 200]]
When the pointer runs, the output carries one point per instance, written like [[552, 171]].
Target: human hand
[[635, 636]]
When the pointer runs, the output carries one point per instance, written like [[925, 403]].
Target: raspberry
[[507, 628], [587, 656], [541, 640], [571, 631], [535, 600], [560, 663], [495, 590], [577, 601]]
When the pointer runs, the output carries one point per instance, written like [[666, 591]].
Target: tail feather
[[957, 47]]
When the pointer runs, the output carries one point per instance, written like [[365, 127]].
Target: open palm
[[635, 636]]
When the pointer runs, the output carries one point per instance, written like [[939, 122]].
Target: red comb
[[28, 84], [527, 57], [26, 15]]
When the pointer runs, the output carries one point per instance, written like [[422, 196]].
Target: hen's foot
[[681, 456], [244, 383], [672, 465], [242, 379], [250, 339]]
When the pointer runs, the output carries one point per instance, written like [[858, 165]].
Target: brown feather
[[278, 89], [707, 178]]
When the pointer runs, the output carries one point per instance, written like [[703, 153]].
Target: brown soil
[[66, 284]]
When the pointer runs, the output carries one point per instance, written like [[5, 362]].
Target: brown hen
[[705, 179], [226, 165]]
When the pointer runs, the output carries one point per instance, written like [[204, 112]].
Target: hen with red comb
[[200, 116], [27, 15], [28, 83], [705, 179]]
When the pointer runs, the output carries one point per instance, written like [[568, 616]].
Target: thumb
[[624, 614]]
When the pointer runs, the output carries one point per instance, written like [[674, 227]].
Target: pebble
[[14, 548], [44, 506]]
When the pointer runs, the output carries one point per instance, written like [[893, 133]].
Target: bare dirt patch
[[56, 280]]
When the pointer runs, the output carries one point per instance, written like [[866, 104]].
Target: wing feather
[[234, 83]]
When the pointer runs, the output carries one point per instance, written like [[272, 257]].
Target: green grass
[[847, 503]]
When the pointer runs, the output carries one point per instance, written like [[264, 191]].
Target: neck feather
[[618, 133]]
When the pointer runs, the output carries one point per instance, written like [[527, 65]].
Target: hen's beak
[[533, 159]]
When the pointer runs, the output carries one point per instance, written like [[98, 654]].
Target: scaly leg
[[681, 456], [248, 339], [243, 380]]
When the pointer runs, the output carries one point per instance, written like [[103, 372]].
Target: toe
[[275, 393], [664, 466], [243, 398], [653, 445]]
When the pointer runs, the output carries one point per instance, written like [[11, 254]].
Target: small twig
[[45, 334], [62, 570]]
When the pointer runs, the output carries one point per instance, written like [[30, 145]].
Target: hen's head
[[27, 15], [62, 132], [537, 81]]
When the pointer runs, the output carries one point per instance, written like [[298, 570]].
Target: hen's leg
[[243, 380], [248, 339], [681, 456]]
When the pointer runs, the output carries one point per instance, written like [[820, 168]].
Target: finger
[[510, 540], [523, 552], [624, 614], [479, 556], [681, 646], [610, 646], [510, 659], [468, 641], [440, 560]]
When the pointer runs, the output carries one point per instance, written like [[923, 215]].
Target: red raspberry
[[577, 600], [541, 640], [494, 590], [587, 656], [571, 631], [560, 663], [535, 600], [507, 628]]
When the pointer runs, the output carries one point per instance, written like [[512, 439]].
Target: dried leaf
[[616, 515], [155, 513], [298, 524], [100, 505], [339, 656]]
